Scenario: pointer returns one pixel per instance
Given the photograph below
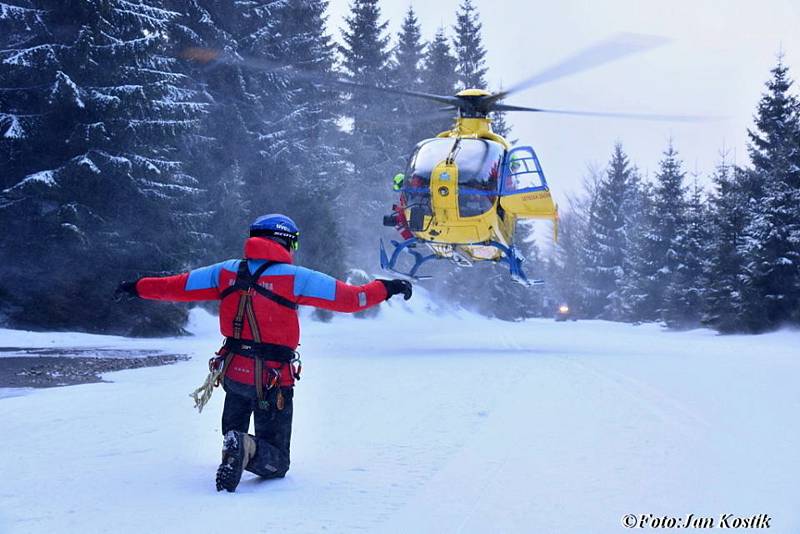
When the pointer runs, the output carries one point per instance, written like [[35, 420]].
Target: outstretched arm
[[199, 284], [312, 288]]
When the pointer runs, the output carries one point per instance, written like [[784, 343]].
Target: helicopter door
[[523, 190]]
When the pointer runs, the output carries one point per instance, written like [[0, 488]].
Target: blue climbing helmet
[[277, 227]]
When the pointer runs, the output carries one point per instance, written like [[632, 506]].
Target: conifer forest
[[120, 158]]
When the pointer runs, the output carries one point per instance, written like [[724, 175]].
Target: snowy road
[[411, 424]]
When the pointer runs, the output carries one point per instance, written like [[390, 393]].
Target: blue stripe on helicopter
[[461, 191]]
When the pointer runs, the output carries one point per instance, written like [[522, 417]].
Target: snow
[[14, 130], [157, 187], [72, 228], [423, 420], [162, 14], [124, 89], [26, 57], [8, 11], [73, 90], [161, 122], [46, 178], [104, 98], [85, 161]]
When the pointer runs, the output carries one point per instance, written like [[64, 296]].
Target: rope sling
[[247, 286]]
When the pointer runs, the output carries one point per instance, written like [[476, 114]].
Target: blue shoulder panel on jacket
[[308, 283], [208, 277], [278, 269]]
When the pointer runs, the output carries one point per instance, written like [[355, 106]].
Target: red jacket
[[278, 324]]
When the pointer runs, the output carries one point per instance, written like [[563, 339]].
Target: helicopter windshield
[[479, 162]]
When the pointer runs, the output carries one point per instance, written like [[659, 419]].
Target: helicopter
[[463, 192], [465, 189]]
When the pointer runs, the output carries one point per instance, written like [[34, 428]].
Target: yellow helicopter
[[464, 190]]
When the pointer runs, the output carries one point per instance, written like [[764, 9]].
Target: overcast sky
[[716, 64]]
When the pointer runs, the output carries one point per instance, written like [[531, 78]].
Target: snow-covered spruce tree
[[375, 154], [654, 247], [771, 245], [669, 212], [95, 193], [408, 53], [635, 297], [407, 74], [728, 215], [669, 208], [468, 45], [605, 244], [634, 207], [685, 293], [566, 274], [438, 77]]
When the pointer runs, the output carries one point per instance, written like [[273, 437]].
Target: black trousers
[[273, 426]]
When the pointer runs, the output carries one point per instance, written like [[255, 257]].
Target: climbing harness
[[247, 286]]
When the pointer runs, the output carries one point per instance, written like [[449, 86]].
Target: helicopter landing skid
[[514, 264], [388, 264], [510, 258]]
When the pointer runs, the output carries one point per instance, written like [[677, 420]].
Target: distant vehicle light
[[563, 309]]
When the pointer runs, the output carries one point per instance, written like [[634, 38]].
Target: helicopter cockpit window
[[479, 162], [416, 186], [522, 172]]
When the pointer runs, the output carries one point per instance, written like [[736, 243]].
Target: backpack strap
[[245, 281], [274, 297]]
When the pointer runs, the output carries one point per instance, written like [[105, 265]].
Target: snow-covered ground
[[424, 421]]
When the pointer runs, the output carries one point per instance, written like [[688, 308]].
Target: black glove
[[126, 289], [396, 287]]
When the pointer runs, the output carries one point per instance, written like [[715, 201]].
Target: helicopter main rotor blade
[[449, 100], [606, 51], [214, 57], [611, 114]]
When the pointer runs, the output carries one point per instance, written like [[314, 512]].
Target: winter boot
[[237, 450]]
